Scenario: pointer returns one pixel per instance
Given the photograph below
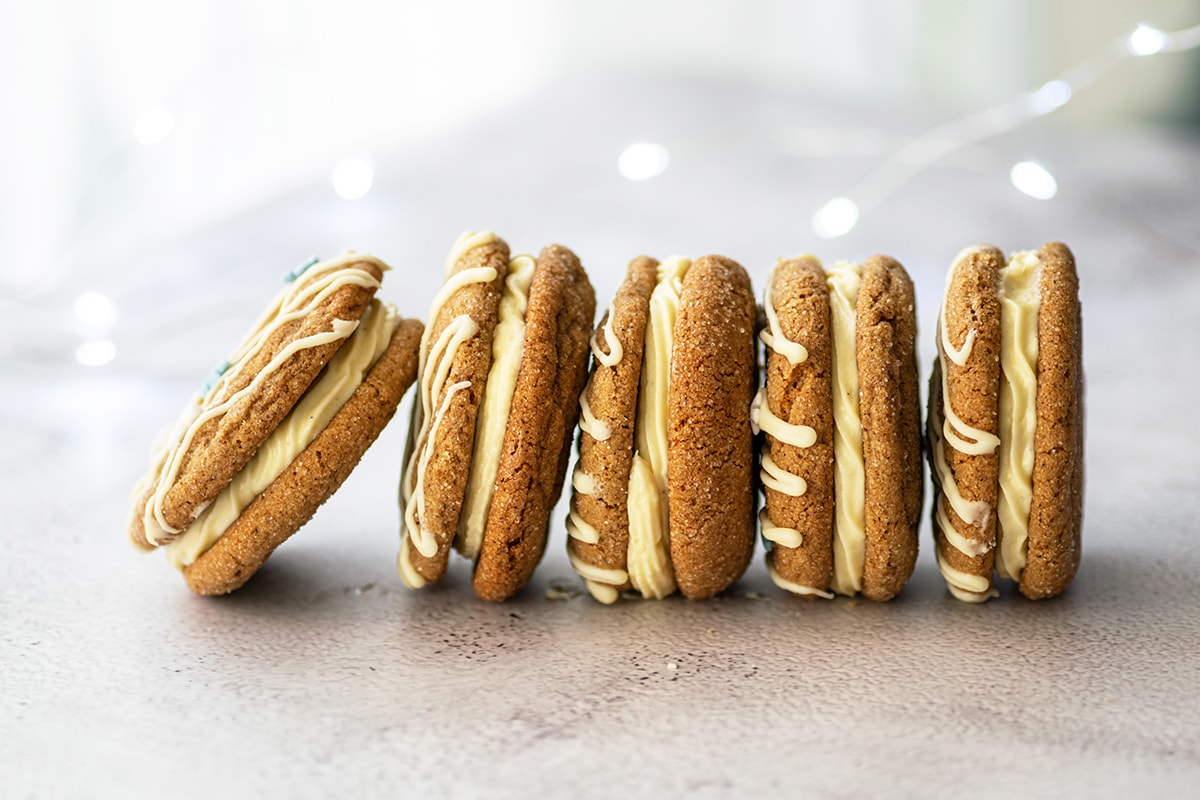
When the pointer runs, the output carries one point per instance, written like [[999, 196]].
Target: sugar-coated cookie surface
[[889, 404], [710, 462]]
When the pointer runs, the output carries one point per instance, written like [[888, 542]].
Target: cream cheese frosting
[[849, 529], [338, 381], [1020, 301], [508, 348], [649, 557], [306, 290]]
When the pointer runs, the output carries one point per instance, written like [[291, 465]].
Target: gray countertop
[[324, 675]]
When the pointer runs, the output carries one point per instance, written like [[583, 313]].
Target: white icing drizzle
[[961, 436], [763, 419], [465, 243], [408, 574], [582, 482], [776, 477], [578, 528], [296, 301], [615, 351], [773, 336], [788, 537], [602, 583], [963, 586], [791, 586], [598, 429]]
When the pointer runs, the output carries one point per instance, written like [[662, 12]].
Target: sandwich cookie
[[279, 426], [840, 421], [662, 497], [501, 367], [1005, 423]]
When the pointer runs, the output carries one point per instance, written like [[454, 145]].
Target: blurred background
[[161, 164]]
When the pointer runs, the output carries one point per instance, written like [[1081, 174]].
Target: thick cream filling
[[297, 300], [649, 557], [342, 376], [1020, 301], [508, 347], [849, 482]]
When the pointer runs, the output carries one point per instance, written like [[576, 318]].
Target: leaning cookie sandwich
[[1005, 423], [840, 420], [279, 427], [663, 493], [502, 363]]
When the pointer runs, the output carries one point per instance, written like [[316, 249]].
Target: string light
[[1033, 179], [95, 310], [839, 215], [642, 160]]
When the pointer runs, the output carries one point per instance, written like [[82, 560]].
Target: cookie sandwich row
[[696, 400]]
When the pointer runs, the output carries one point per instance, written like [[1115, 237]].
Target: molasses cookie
[[663, 493], [840, 418], [1005, 423], [502, 364]]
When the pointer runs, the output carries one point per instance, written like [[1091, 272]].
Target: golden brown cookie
[[710, 459], [500, 382], [270, 481], [1005, 423], [840, 416], [663, 496]]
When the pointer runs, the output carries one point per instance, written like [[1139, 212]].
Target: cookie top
[[541, 422], [840, 413], [598, 521], [794, 411], [963, 423], [252, 393], [710, 464]]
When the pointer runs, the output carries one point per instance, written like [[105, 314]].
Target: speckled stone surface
[[324, 676]]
